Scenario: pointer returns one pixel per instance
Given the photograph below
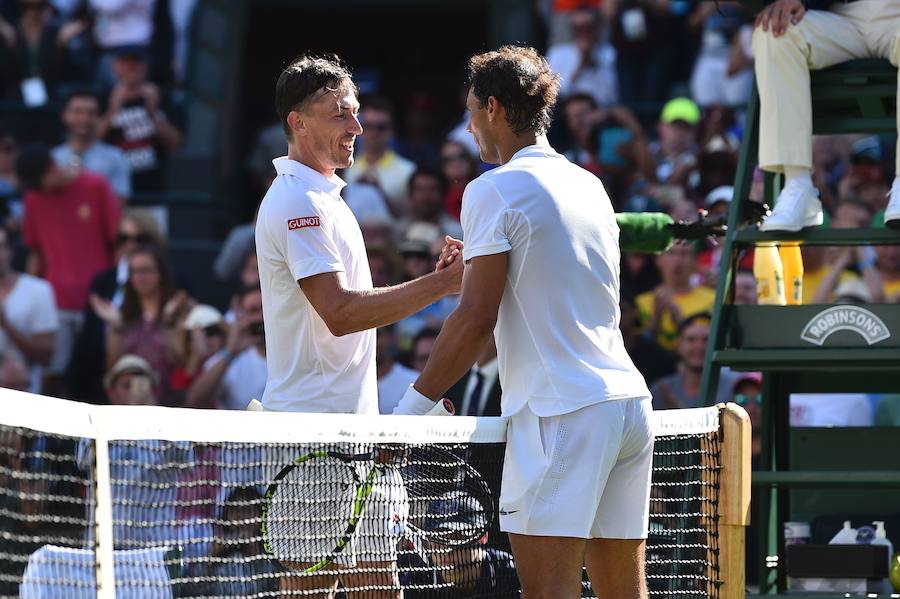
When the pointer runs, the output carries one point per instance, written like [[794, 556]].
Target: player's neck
[[512, 143], [306, 158]]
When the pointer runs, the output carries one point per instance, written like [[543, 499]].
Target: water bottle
[[881, 539], [769, 275], [792, 265]]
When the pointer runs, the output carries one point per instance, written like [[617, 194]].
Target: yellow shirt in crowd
[[811, 280], [695, 301], [891, 290]]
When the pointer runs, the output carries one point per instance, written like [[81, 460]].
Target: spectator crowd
[[92, 308]]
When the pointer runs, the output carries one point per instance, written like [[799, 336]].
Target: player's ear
[[296, 122]]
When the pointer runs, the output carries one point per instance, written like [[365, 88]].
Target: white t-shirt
[[393, 385], [31, 308], [304, 228], [245, 379], [558, 341]]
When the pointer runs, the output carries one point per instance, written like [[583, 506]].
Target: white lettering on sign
[[845, 318], [302, 222]]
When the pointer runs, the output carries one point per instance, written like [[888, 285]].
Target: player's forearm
[[373, 308], [462, 338]]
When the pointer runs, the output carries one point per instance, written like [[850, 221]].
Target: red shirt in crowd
[[74, 229]]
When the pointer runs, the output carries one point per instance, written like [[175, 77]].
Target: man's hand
[[452, 248], [779, 15]]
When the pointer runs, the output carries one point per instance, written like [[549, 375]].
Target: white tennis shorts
[[585, 474]]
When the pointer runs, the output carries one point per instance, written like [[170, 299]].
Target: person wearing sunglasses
[[137, 228]]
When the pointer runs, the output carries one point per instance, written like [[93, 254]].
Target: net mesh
[[189, 517]]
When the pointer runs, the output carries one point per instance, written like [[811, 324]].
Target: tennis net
[[102, 501]]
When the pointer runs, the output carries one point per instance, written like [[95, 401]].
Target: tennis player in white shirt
[[542, 274], [320, 309]]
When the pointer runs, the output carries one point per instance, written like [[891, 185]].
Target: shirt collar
[[541, 148], [489, 370], [331, 185]]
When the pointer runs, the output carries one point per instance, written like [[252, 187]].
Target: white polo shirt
[[558, 341], [304, 228]]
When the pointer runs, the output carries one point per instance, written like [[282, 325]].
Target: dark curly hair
[[522, 82], [306, 75]]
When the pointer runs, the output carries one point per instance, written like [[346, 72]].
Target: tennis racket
[[313, 506]]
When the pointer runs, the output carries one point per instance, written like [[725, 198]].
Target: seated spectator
[[580, 113], [270, 144], [421, 347], [237, 373], [849, 214], [675, 299], [682, 389], [393, 378], [460, 132], [131, 382], [384, 264], [475, 570], [649, 358], [418, 260], [865, 180], [149, 324], [238, 566], [28, 318], [367, 202], [744, 287], [70, 227], [85, 371], [375, 162], [459, 167], [83, 149], [675, 152], [136, 120], [748, 395], [586, 64], [427, 190], [711, 82], [117, 25], [639, 274], [32, 59], [240, 242], [788, 42], [888, 261]]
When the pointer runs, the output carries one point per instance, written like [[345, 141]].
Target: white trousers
[[861, 29]]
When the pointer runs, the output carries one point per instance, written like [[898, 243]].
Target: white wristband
[[414, 403]]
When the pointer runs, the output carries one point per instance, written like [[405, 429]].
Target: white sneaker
[[797, 207], [892, 212]]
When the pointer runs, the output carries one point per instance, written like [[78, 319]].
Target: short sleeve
[[483, 220], [308, 238]]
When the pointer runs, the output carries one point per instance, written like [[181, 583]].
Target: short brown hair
[[306, 75], [522, 82]]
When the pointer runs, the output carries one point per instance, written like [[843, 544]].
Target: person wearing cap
[[791, 38], [238, 371], [865, 178], [474, 570], [136, 122], [676, 150], [131, 382]]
